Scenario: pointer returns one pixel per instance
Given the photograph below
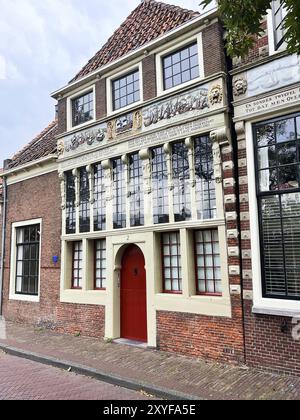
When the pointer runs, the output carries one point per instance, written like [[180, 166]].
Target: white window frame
[[159, 64], [271, 33], [261, 304], [109, 89], [13, 263], [79, 93]]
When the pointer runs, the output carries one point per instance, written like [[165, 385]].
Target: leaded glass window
[[28, 260], [119, 188], [205, 179], [83, 109], [100, 199], [84, 201], [77, 270], [208, 264], [137, 217], [126, 90], [181, 66], [181, 180], [160, 186], [277, 148], [172, 270], [70, 203], [100, 264]]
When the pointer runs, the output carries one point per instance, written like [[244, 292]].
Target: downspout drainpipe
[[3, 243]]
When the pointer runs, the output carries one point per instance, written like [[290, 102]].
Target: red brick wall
[[267, 345], [149, 77], [37, 198], [213, 49], [88, 320], [101, 109], [259, 51], [211, 338], [62, 116]]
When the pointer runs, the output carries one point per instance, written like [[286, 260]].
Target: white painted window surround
[[12, 284], [261, 304], [172, 49], [271, 34], [117, 75], [69, 108]]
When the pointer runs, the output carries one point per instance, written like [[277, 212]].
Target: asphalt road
[[22, 379]]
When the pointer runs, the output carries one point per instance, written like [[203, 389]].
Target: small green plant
[[108, 340], [77, 334]]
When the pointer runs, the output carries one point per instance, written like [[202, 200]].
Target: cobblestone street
[[22, 379]]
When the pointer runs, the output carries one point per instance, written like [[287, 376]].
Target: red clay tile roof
[[41, 146], [147, 22]]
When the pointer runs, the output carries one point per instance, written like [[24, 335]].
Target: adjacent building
[[141, 214], [266, 89]]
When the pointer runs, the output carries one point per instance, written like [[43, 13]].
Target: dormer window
[[279, 14], [126, 90], [83, 109], [181, 66]]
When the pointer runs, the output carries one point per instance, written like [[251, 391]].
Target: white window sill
[[261, 310], [25, 298]]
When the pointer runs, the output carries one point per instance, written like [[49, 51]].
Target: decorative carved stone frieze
[[88, 137], [240, 86], [215, 95], [60, 148]]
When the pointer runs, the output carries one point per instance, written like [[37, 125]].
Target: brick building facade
[[146, 216]]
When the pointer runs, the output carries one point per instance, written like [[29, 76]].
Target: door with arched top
[[133, 295]]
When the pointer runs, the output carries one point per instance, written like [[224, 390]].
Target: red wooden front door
[[133, 295]]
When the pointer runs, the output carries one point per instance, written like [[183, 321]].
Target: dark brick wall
[[37, 198], [267, 345], [211, 338], [88, 320], [62, 116], [149, 77], [101, 108], [213, 49]]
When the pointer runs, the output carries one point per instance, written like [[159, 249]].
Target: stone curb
[[132, 384]]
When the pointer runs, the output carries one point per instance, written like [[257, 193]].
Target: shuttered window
[[277, 146]]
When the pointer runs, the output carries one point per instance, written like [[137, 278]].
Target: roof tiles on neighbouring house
[[41, 146], [150, 20]]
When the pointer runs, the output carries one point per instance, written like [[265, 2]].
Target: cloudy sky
[[43, 44]]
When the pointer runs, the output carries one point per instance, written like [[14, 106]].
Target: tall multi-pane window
[[77, 265], [172, 271], [70, 203], [100, 264], [84, 201], [83, 109], [160, 186], [119, 189], [277, 150], [27, 262], [181, 180], [137, 217], [126, 90], [279, 14], [208, 264], [205, 180], [100, 199], [181, 66]]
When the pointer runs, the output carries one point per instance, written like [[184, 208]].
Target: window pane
[[100, 262], [119, 191], [172, 262], [84, 201], [160, 188], [83, 109], [27, 261], [181, 181], [126, 90], [181, 66]]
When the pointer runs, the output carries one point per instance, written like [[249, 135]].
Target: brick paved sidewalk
[[150, 369]]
